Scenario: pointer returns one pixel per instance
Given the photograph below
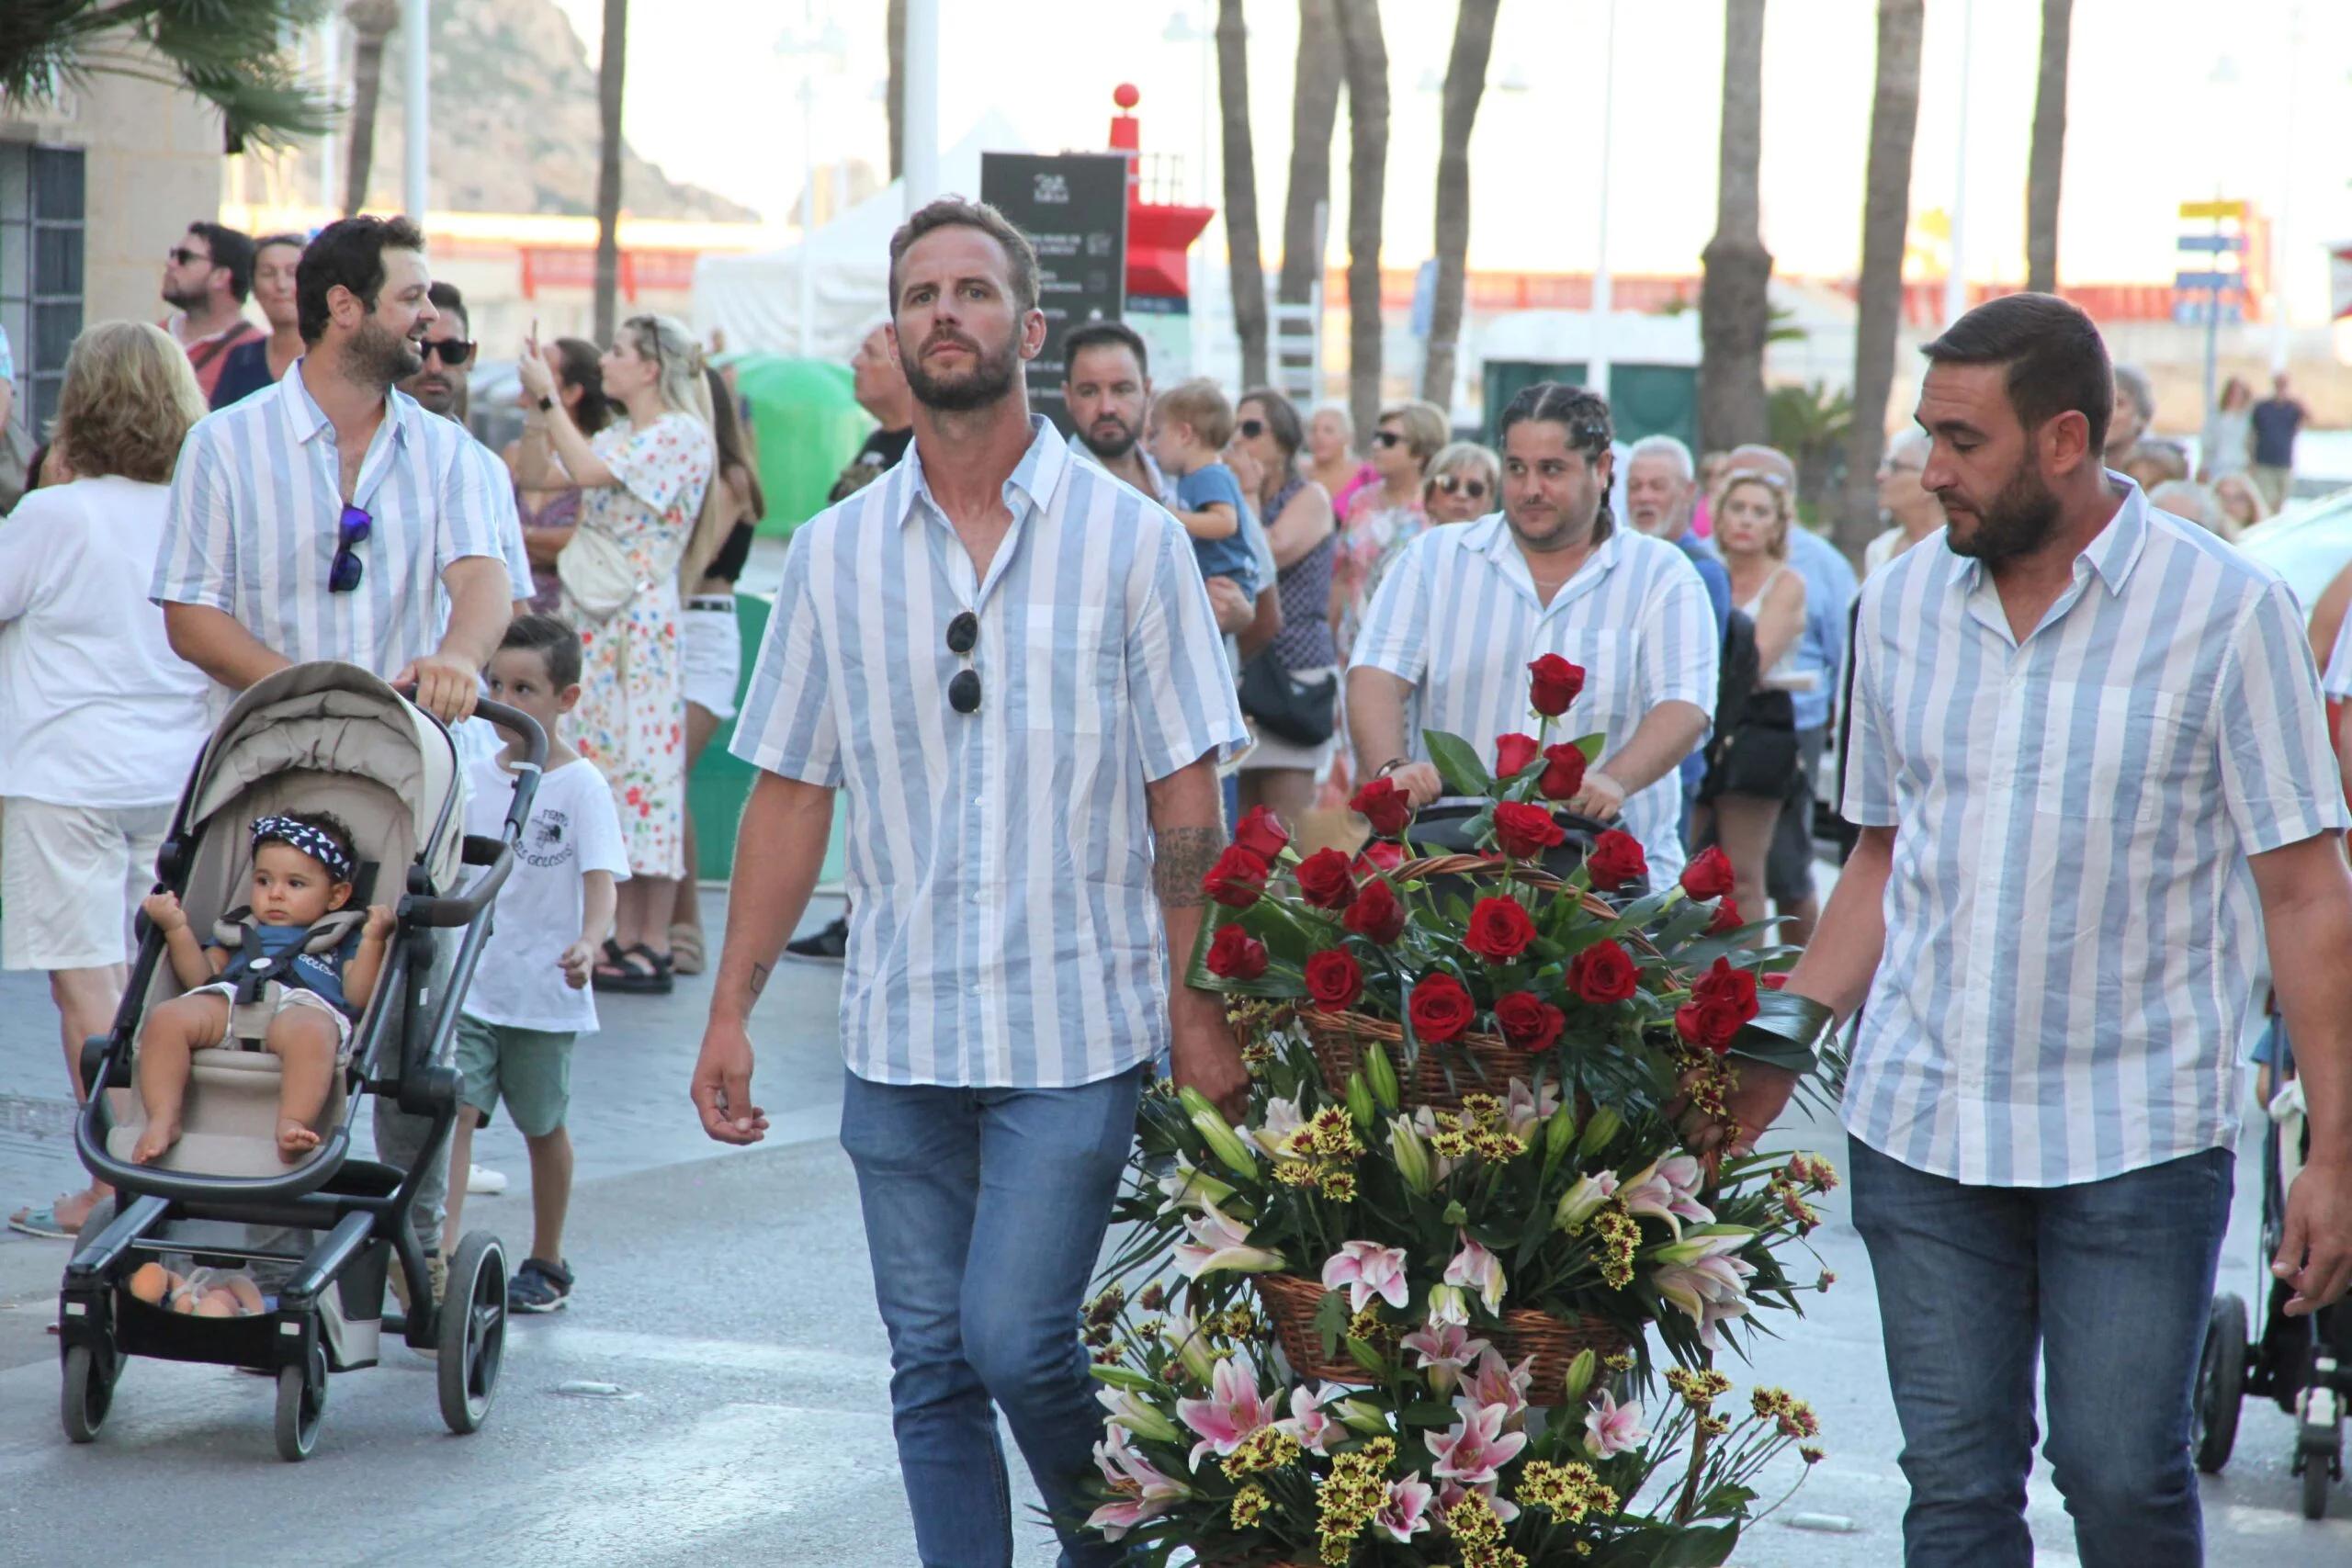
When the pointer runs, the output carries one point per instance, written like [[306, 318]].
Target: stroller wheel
[[472, 1331], [301, 1404], [87, 1395], [2316, 1484], [2221, 1383]]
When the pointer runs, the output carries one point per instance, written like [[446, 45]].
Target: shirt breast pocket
[[1068, 675], [2112, 754]]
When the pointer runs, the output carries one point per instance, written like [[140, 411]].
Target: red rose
[[1441, 1009], [1710, 1025], [1775, 982], [1604, 973], [1334, 980], [1513, 752], [1616, 859], [1379, 856], [1236, 879], [1728, 918], [1385, 806], [1235, 955], [1553, 686], [1262, 833], [1524, 832], [1499, 930], [1326, 880], [1709, 876], [1565, 775], [1377, 913], [1722, 983], [1528, 1022]]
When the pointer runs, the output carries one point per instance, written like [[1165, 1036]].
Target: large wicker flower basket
[[1438, 1077], [1291, 1303]]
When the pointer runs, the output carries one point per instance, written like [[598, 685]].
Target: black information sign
[[1073, 207]]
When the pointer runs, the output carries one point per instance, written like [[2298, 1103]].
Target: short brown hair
[[959, 212], [129, 399], [1201, 403], [2053, 359], [553, 638], [1423, 424]]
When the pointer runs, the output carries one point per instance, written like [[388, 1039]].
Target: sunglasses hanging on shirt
[[351, 532], [963, 636]]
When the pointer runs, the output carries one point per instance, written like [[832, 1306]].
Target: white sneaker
[[483, 1179]]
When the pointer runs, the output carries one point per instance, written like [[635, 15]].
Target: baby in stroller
[[291, 970]]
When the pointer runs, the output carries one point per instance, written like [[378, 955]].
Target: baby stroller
[[2304, 1363], [325, 1229]]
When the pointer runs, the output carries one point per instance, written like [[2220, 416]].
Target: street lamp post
[[920, 112], [416, 18], [1956, 281], [1603, 285]]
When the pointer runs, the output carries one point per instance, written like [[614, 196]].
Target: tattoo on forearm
[[1181, 856], [759, 973]]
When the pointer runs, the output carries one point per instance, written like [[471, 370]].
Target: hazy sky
[[712, 100]]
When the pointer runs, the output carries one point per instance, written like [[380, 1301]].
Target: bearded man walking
[[1004, 658], [2091, 771]]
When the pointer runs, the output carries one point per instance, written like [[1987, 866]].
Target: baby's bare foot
[[294, 1140], [159, 1136]]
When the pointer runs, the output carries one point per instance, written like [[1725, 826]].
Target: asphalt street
[[717, 1396]]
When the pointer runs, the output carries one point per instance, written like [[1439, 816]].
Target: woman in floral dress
[[645, 487]]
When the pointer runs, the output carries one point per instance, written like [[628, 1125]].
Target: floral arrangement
[[1402, 1315]]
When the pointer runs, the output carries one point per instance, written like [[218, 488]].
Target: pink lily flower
[[1367, 1270], [1610, 1428], [1405, 1514], [1425, 1123], [1187, 1187], [1706, 1280], [1142, 1490], [1219, 1241], [1233, 1410], [1498, 1384], [1523, 1113], [1475, 1268], [1663, 1190], [1453, 1492], [1447, 1304], [1281, 1121], [1314, 1430], [1443, 1350], [1474, 1448], [1130, 1410], [1583, 1201]]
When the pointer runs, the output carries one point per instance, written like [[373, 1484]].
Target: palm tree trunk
[[1466, 83], [1243, 253], [1314, 110], [610, 68], [895, 21], [372, 22], [1734, 302], [2047, 160], [1886, 218], [1366, 53]]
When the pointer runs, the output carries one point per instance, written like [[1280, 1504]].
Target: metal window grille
[[42, 209]]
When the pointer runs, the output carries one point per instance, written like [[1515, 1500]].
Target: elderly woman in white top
[[99, 720]]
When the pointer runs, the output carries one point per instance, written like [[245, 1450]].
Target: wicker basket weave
[[1291, 1303], [1438, 1077]]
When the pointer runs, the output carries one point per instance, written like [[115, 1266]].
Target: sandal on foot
[[41, 1221], [685, 948], [612, 966], [644, 973]]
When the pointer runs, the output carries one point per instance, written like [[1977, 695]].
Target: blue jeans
[[2113, 1282], [985, 1211]]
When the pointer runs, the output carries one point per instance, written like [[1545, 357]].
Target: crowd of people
[[214, 502]]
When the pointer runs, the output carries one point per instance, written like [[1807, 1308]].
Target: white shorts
[[290, 996], [71, 879], [714, 641]]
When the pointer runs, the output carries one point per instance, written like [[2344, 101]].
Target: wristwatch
[[547, 403]]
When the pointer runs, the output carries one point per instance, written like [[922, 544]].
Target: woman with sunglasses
[[1303, 533], [1750, 767], [1383, 518], [259, 362], [546, 500], [646, 488], [1464, 484]]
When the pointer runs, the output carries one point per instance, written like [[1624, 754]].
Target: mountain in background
[[514, 129]]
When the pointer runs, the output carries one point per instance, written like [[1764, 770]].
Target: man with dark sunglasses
[[439, 384], [206, 278]]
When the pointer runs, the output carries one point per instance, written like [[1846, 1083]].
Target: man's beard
[[434, 394], [377, 356], [2016, 522], [187, 298], [1117, 447], [991, 378]]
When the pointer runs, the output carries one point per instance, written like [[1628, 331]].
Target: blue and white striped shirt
[[1457, 615], [1004, 931], [256, 501], [2072, 935]]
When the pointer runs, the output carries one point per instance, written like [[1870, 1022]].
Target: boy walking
[[1190, 424], [530, 998]]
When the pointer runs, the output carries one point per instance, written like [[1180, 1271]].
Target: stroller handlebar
[[534, 739]]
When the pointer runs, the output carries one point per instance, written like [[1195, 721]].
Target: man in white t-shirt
[[531, 998]]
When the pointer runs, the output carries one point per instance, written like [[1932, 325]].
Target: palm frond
[[236, 54]]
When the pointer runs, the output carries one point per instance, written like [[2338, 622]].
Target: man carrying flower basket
[[2090, 764]]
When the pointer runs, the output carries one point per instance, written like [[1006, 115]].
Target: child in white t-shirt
[[531, 998]]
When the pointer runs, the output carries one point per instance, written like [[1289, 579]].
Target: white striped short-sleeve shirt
[[1457, 615], [1004, 931], [253, 525], [2072, 935]]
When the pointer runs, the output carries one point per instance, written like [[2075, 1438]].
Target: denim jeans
[[985, 1211], [2111, 1281]]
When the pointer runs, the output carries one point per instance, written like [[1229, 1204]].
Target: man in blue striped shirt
[[1004, 658], [2091, 771], [1463, 611]]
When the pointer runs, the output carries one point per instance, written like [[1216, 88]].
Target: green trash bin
[[807, 425], [722, 781]]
